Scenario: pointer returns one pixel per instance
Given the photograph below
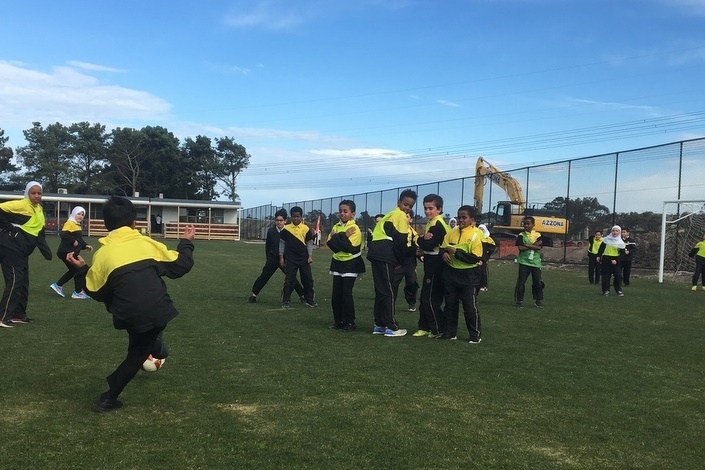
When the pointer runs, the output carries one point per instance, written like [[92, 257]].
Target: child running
[[127, 276], [72, 242], [345, 241]]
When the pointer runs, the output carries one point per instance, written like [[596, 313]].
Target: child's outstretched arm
[[184, 262]]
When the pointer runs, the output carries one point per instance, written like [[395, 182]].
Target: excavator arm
[[507, 215], [486, 171]]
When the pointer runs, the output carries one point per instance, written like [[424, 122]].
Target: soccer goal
[[682, 226]]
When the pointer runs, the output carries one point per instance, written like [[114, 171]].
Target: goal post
[[682, 226]]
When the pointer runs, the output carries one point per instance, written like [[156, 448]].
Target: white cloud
[[616, 105], [361, 153], [240, 70], [280, 15], [690, 7], [281, 134], [93, 67], [270, 15], [67, 94], [449, 103]]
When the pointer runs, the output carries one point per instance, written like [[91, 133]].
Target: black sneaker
[[22, 320], [7, 324], [252, 299], [620, 293], [312, 304], [349, 328], [107, 404], [285, 305], [539, 304], [520, 304], [337, 326]]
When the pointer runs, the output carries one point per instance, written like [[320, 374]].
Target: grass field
[[588, 382]]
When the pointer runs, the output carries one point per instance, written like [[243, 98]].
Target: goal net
[[682, 226]]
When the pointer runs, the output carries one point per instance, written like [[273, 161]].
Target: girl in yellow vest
[[21, 231], [608, 255], [594, 268], [72, 242]]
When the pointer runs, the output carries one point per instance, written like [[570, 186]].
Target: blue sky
[[334, 97]]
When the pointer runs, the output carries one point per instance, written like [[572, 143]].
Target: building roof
[[140, 201]]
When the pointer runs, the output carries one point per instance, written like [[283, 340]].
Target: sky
[[336, 97]]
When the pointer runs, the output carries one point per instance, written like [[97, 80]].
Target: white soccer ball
[[152, 364]]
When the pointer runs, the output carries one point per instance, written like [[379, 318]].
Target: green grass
[[589, 382]]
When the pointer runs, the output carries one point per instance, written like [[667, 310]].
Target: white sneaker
[[79, 295], [391, 333], [58, 289]]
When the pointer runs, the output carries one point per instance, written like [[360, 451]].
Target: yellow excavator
[[507, 215]]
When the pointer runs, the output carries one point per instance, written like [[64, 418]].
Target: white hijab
[[450, 222], [76, 210], [617, 241], [483, 227], [29, 186]]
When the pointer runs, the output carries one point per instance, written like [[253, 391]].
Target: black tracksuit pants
[[140, 346]]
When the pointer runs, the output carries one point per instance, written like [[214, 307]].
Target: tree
[[200, 157], [580, 212], [46, 156], [88, 150], [639, 221], [6, 165], [163, 170], [233, 158], [126, 154]]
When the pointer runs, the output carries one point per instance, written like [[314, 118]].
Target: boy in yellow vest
[[529, 260]]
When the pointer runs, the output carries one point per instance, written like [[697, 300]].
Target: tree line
[[85, 159]]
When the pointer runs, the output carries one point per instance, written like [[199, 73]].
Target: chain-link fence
[[592, 193]]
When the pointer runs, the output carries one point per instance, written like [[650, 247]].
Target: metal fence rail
[[632, 186]]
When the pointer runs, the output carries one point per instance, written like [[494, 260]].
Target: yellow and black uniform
[[21, 231], [390, 238], [610, 254], [72, 241], [431, 298], [296, 246], [406, 271], [698, 252], [126, 275], [345, 266], [488, 248], [461, 275], [529, 262], [627, 257], [594, 268], [271, 265]]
